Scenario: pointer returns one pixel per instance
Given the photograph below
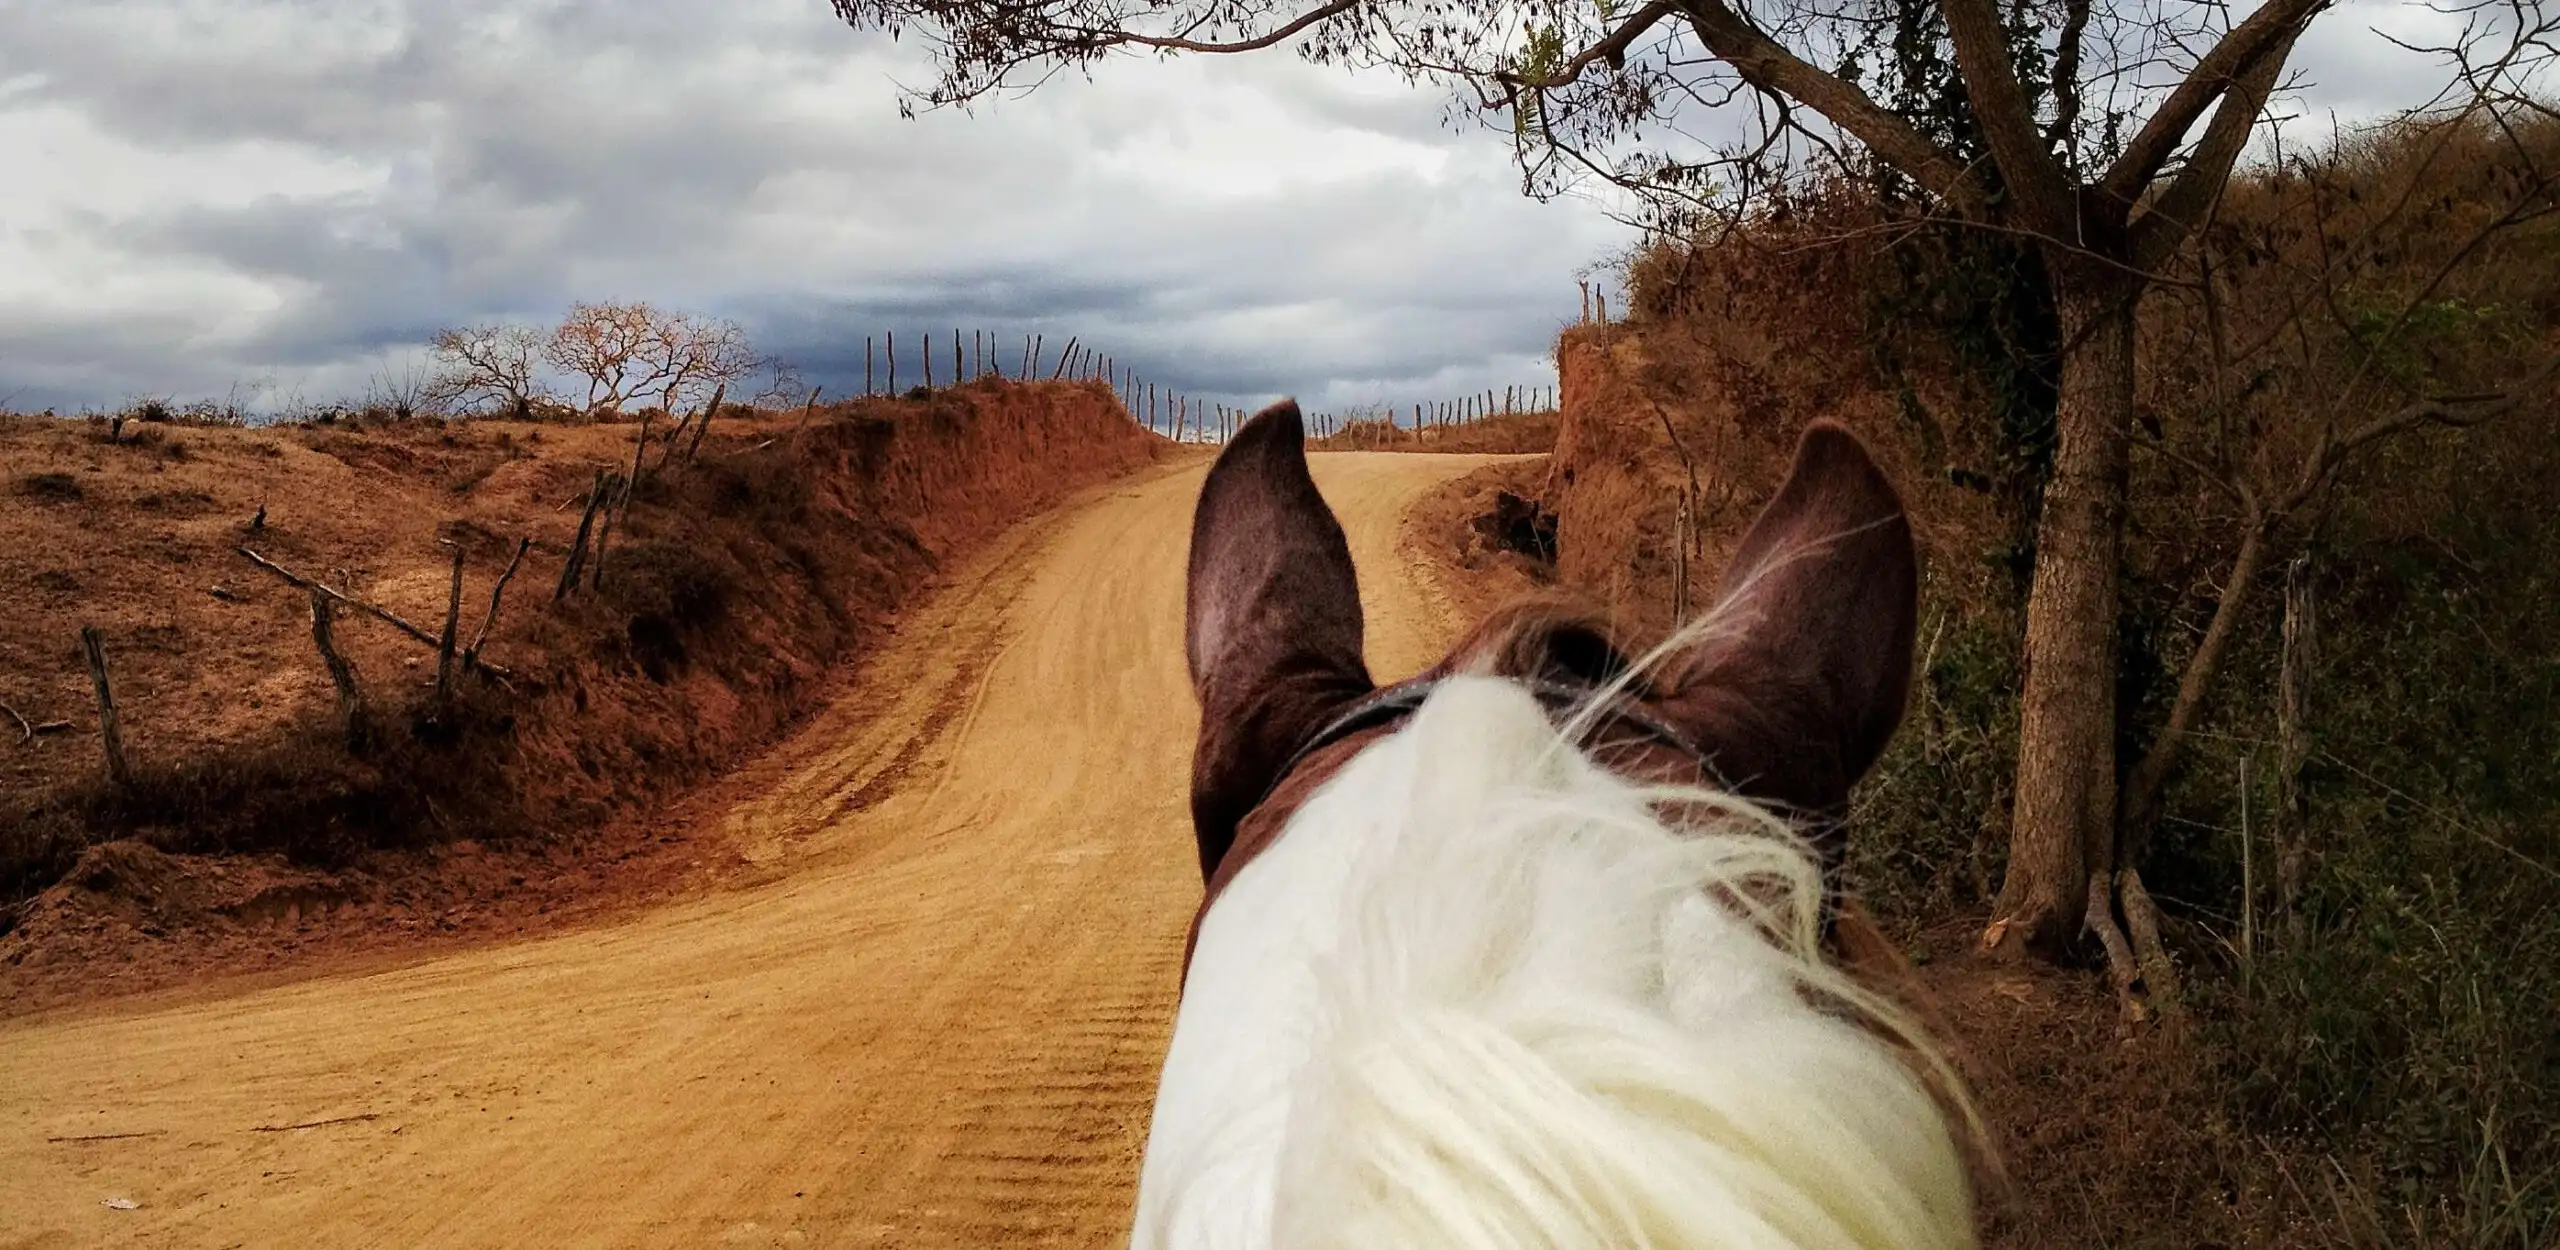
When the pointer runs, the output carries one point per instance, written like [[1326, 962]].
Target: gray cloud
[[304, 191]]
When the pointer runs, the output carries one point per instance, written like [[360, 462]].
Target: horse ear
[[1272, 622], [1798, 676]]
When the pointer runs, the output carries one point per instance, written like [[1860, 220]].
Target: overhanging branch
[[2217, 72], [2160, 229], [1766, 65], [1613, 49]]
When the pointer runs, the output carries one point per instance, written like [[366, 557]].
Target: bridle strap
[[1385, 705]]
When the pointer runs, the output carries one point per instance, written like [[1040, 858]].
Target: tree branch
[[1614, 49], [2066, 75], [1096, 40], [1764, 64], [2159, 231], [2008, 121], [2217, 71]]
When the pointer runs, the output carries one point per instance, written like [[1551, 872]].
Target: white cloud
[[211, 191]]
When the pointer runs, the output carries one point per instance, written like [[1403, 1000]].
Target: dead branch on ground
[[377, 611]]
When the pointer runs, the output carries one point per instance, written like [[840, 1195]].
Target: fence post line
[[978, 353], [928, 360], [893, 362], [955, 356], [866, 365]]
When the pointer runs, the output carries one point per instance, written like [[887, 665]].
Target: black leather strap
[[1402, 699]]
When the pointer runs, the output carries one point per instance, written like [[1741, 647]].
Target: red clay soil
[[735, 585]]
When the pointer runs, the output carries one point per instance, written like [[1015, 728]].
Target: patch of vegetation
[[51, 488]]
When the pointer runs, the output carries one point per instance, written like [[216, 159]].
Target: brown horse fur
[[1790, 687]]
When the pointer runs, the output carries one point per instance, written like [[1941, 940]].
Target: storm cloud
[[211, 194]]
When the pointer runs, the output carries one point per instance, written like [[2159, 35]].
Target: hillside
[[743, 573]]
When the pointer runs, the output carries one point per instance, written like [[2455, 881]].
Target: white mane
[[1482, 995]]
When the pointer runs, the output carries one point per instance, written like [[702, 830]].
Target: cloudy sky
[[281, 198]]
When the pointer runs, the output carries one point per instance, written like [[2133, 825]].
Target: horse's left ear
[[1273, 630], [1800, 675]]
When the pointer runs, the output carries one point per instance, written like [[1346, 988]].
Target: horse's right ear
[[1798, 677], [1272, 622]]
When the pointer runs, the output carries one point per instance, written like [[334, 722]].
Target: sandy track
[[935, 1020]]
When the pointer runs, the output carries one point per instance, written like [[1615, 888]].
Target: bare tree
[[2099, 131], [693, 354], [630, 352], [486, 367], [404, 390], [612, 347]]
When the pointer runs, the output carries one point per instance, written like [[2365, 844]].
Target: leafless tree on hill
[[615, 348], [695, 354], [487, 367], [630, 352], [404, 390]]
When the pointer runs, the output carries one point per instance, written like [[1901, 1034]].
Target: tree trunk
[[2062, 828]]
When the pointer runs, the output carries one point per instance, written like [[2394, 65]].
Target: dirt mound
[[733, 584]]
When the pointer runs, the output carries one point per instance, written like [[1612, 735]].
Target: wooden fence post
[[1066, 355], [577, 560], [616, 491], [341, 674], [955, 356], [109, 732], [866, 365], [977, 352], [643, 444], [703, 425], [471, 653], [1680, 564], [452, 625], [2293, 740], [928, 360], [893, 363]]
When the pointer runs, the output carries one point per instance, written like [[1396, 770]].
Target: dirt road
[[935, 1020]]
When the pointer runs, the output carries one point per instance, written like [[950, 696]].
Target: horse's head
[[1524, 951], [1786, 690]]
